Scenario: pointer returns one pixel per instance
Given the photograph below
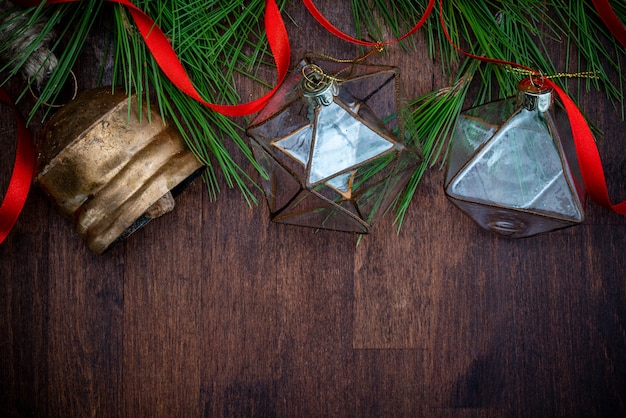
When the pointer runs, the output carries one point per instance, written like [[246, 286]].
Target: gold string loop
[[530, 73], [314, 69]]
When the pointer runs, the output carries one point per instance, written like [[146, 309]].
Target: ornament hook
[[541, 77], [53, 105], [317, 87], [315, 77]]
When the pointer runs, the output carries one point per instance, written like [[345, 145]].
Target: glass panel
[[511, 222], [280, 186], [341, 142], [312, 210], [341, 182], [379, 92], [469, 134], [520, 168], [297, 144]]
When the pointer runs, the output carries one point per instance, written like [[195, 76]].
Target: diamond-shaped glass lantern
[[512, 166], [335, 146]]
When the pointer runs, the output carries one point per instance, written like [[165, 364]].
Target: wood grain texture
[[214, 311]]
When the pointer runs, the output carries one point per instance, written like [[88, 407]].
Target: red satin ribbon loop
[[23, 170], [586, 150], [168, 61], [332, 29], [611, 20]]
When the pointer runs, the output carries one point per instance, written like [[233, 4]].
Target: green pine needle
[[217, 43], [214, 43], [74, 28], [434, 116]]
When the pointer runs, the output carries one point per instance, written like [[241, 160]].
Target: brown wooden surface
[[215, 311]]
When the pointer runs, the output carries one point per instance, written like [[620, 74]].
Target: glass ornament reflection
[[512, 167], [330, 146]]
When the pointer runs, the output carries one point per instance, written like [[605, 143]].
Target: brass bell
[[110, 169]]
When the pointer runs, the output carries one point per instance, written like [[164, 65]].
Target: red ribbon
[[168, 61], [332, 29], [22, 176], [586, 150], [588, 157], [611, 20]]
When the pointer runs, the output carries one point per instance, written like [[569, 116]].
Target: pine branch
[[216, 42], [434, 116], [75, 22], [509, 30], [588, 36]]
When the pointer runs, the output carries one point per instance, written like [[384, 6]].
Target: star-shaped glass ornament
[[335, 146]]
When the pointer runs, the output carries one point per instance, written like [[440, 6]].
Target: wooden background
[[215, 311]]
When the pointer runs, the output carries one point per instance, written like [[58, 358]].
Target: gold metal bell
[[110, 169]]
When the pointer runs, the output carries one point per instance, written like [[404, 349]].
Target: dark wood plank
[[24, 319], [85, 301], [162, 300], [239, 312]]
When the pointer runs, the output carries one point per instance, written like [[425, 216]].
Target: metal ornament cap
[[317, 88], [533, 96]]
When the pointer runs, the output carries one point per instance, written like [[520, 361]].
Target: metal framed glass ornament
[[335, 144], [512, 165]]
